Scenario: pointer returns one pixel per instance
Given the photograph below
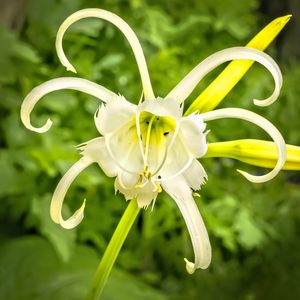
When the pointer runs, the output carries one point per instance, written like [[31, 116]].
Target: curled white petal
[[60, 192], [125, 29], [183, 89], [182, 194], [239, 113], [71, 83]]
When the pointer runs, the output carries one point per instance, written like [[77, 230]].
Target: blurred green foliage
[[254, 229]]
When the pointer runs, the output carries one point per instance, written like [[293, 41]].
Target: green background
[[254, 228]]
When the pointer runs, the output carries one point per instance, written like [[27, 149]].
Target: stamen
[[139, 135], [159, 187], [148, 138]]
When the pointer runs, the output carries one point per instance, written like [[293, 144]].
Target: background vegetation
[[254, 228]]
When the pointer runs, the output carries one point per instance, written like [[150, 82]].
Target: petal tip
[[286, 18], [42, 129], [282, 21], [75, 219], [267, 101], [249, 177], [262, 103], [71, 69], [190, 267]]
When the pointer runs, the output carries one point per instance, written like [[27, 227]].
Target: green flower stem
[[113, 250]]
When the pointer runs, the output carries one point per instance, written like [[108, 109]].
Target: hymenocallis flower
[[152, 146]]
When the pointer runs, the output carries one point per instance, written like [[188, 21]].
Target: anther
[[159, 189]]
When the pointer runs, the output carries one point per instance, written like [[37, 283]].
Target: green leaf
[[62, 240], [124, 286], [249, 234], [14, 179], [31, 270]]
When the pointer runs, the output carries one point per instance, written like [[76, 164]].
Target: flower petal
[[216, 91], [178, 159], [189, 143], [114, 114], [128, 192], [192, 129], [195, 175], [126, 30], [182, 194], [124, 148], [126, 184], [60, 192], [183, 89], [71, 83], [161, 107], [116, 121], [96, 151], [239, 113]]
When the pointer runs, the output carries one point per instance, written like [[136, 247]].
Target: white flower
[[151, 147]]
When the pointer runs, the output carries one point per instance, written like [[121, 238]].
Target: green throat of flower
[[155, 136]]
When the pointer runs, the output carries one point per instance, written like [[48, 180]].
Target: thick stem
[[113, 250]]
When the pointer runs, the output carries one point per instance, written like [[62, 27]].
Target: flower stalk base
[[112, 250]]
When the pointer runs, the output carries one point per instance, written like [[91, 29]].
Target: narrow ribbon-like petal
[[239, 113], [126, 30], [189, 82], [216, 91], [71, 83], [60, 192], [182, 194]]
